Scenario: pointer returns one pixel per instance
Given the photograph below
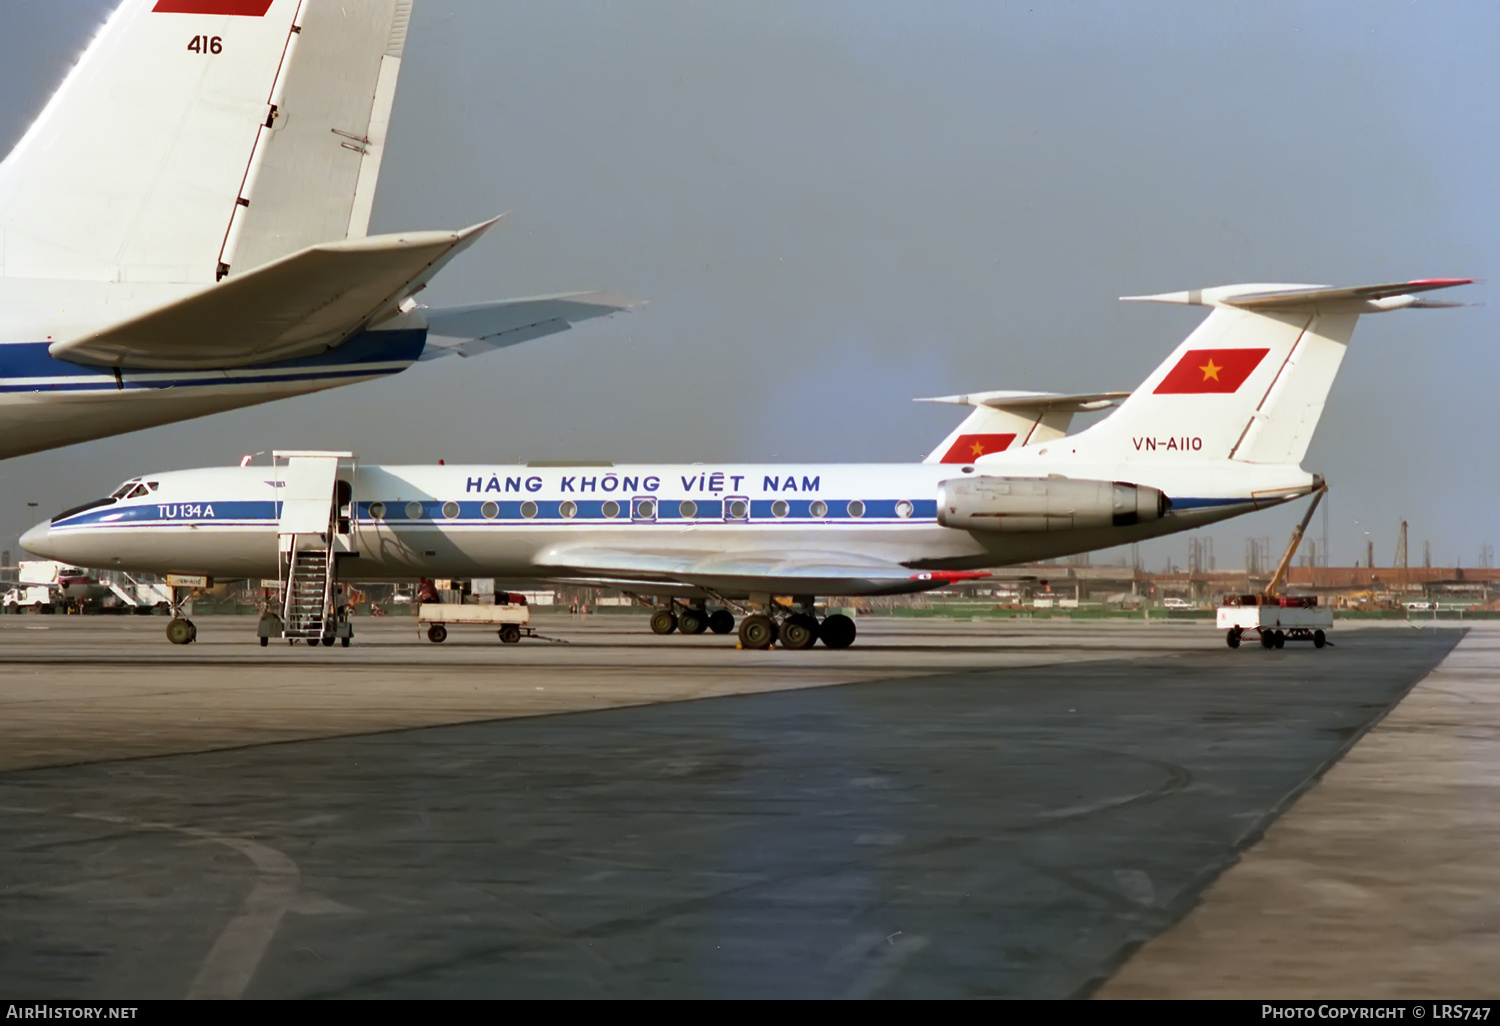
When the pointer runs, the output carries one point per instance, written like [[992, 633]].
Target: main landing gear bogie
[[691, 620], [797, 632]]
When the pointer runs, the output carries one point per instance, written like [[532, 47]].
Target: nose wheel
[[181, 631]]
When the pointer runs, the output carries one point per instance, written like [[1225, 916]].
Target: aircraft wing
[[471, 330], [788, 572], [300, 305]]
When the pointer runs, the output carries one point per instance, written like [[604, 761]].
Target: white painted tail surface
[[1249, 384], [197, 134], [316, 180]]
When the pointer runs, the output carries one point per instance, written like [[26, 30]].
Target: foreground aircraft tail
[[1005, 420], [1249, 384], [199, 138]]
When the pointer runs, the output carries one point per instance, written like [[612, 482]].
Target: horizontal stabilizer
[[1009, 419], [1051, 401], [300, 305], [471, 330], [1325, 300]]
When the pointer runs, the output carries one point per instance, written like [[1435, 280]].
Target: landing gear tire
[[721, 621], [758, 631], [180, 632], [510, 634], [837, 631], [692, 621], [663, 621], [1232, 639], [1319, 639], [437, 634], [799, 631]]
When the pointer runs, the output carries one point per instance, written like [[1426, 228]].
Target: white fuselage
[[551, 523]]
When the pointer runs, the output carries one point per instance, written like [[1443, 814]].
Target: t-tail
[[1250, 383], [1003, 420]]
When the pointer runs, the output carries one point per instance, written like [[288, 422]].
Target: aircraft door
[[343, 503]]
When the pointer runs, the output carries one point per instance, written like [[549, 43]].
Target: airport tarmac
[[998, 808]]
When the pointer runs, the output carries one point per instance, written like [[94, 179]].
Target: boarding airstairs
[[316, 526]]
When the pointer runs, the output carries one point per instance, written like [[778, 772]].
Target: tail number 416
[[206, 44]]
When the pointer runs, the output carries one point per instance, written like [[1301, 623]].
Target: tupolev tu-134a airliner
[[1219, 429], [183, 230]]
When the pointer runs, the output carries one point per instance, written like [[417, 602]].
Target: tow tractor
[[1277, 619]]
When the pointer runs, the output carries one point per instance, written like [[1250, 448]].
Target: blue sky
[[833, 208]]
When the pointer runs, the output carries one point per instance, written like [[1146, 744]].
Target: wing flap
[[300, 305]]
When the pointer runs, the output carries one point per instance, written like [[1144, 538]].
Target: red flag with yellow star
[[1210, 370], [969, 448]]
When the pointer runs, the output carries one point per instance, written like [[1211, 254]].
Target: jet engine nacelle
[[1027, 504]]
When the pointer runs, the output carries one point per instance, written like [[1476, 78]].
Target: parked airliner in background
[[1217, 430], [183, 229]]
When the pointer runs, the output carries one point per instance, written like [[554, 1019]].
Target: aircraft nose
[[35, 540]]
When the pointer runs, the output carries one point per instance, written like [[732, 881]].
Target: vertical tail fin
[[198, 134], [1250, 383], [1006, 420]]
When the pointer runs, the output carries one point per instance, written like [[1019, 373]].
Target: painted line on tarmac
[[236, 954]]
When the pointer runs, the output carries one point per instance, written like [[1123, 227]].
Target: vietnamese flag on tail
[[1203, 371], [969, 448]]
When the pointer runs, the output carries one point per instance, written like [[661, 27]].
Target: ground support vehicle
[[511, 622], [1275, 621]]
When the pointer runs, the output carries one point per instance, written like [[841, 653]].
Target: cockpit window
[[152, 485], [124, 489], [137, 492]]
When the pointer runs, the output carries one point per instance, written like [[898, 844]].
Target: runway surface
[[1007, 808]]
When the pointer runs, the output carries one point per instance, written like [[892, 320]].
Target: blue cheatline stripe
[[29, 367], [175, 512], [472, 512]]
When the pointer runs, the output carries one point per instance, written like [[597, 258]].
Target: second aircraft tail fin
[[196, 137], [1005, 420]]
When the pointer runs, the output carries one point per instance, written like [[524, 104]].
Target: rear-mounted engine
[[1029, 504]]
